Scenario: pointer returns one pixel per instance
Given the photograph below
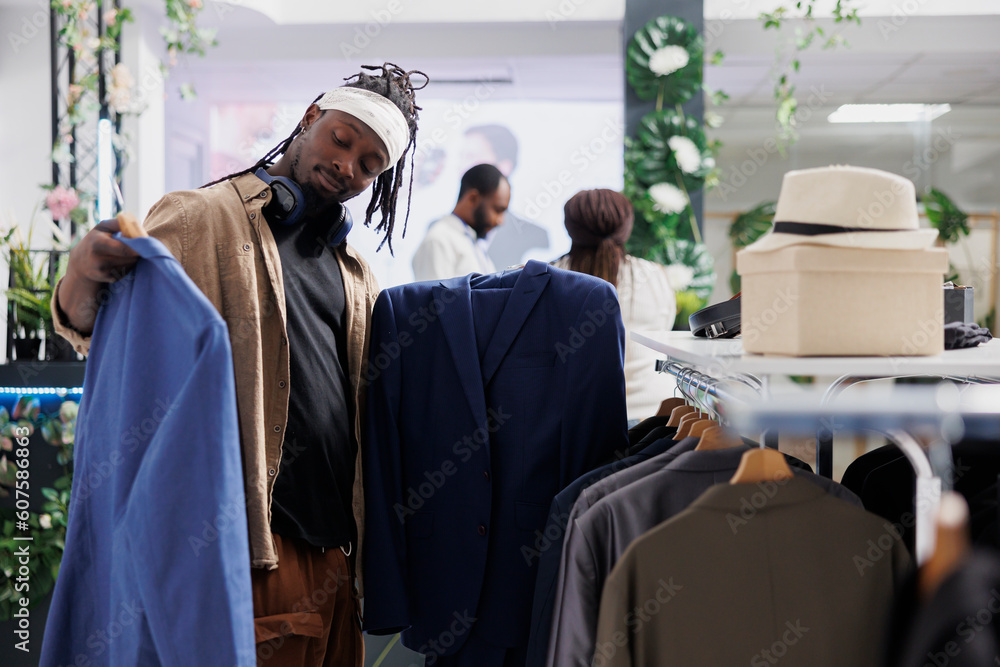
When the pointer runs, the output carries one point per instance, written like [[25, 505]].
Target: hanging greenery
[[669, 158], [663, 62], [806, 33]]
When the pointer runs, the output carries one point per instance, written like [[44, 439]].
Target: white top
[[648, 304], [449, 250], [719, 358]]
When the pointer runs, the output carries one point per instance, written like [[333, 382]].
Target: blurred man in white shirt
[[454, 245]]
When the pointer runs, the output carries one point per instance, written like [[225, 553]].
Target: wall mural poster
[[548, 150]]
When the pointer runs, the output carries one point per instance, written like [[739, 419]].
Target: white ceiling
[[928, 59]]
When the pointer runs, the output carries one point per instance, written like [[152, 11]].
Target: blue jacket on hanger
[[156, 569], [487, 395]]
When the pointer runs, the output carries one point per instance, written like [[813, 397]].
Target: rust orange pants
[[305, 611]]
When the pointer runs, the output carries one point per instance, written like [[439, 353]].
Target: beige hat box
[[811, 300]]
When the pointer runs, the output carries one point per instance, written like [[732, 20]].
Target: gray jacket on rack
[[800, 579], [599, 536]]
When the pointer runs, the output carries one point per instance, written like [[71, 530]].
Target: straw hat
[[846, 207]]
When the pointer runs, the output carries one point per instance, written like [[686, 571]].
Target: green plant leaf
[[673, 88], [944, 215], [652, 157], [750, 225]]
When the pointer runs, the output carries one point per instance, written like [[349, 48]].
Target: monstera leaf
[[750, 225], [670, 147], [663, 61]]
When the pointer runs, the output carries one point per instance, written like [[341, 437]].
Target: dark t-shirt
[[313, 491]]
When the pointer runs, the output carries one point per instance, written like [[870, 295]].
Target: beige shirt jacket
[[220, 238]]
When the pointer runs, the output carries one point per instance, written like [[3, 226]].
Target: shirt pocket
[[237, 279]]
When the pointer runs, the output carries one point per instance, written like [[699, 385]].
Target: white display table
[[722, 357]]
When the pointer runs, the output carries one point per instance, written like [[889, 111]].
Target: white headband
[[375, 111]]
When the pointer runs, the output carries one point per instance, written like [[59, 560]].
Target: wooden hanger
[[685, 423], [715, 438], [668, 405], [951, 545], [678, 413], [130, 226], [684, 430], [699, 427], [761, 464]]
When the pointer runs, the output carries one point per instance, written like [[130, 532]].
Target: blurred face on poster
[[490, 144]]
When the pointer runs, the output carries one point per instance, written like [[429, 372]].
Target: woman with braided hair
[[267, 247], [599, 222]]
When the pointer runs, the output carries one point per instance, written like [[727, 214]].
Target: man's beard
[[479, 223]]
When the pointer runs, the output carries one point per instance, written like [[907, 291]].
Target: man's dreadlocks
[[395, 84]]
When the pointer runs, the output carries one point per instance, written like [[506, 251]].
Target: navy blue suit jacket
[[466, 450]]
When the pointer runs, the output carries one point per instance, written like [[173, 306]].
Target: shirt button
[[253, 215], [263, 195], [277, 429], [281, 384], [284, 341], [246, 247], [482, 529], [247, 197], [486, 475], [271, 472]]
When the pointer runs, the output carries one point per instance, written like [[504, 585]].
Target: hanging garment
[[488, 394], [886, 483], [958, 627], [602, 534], [156, 569], [643, 428], [549, 551], [801, 578]]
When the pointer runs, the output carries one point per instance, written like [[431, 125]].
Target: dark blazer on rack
[[959, 626], [803, 580], [550, 552], [472, 430], [601, 534]]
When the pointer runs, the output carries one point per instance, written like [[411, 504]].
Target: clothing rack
[[940, 415]]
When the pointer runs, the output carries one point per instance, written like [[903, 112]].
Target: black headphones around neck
[[288, 207]]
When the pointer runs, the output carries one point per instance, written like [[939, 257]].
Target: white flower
[[668, 198], [713, 119], [120, 90], [686, 153], [45, 521], [668, 60], [679, 276]]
